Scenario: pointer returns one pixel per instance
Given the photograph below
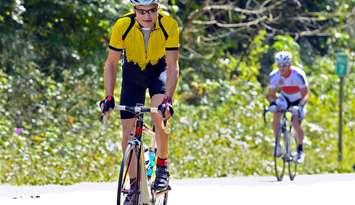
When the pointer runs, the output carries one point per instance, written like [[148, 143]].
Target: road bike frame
[[283, 137], [135, 148]]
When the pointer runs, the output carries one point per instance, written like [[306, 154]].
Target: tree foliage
[[51, 59]]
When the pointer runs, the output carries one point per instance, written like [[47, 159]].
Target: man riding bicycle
[[291, 84], [148, 41]]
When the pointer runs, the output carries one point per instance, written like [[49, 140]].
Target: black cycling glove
[[166, 104], [107, 104]]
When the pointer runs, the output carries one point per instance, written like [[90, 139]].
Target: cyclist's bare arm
[[305, 95], [271, 94], [172, 62], [110, 71]]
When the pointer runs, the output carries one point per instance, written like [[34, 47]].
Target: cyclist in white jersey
[[288, 86]]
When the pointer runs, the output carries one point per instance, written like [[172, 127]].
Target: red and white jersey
[[290, 86]]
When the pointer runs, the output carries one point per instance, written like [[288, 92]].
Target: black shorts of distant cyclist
[[294, 103], [136, 81]]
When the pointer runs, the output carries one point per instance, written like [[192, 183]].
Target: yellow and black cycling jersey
[[127, 35]]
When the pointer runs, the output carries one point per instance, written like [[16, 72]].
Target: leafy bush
[[50, 83]]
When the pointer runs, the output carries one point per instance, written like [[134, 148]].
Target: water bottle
[[151, 157]]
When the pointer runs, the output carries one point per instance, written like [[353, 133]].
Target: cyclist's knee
[[127, 134], [296, 120], [298, 113]]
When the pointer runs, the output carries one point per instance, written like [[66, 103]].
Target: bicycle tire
[[292, 165], [160, 198], [123, 178], [279, 161], [292, 170]]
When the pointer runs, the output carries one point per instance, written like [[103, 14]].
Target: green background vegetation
[[51, 65]]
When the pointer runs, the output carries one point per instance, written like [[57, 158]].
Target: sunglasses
[[149, 11], [283, 65]]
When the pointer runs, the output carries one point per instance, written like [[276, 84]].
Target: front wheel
[[163, 200], [292, 169], [279, 165], [123, 178], [292, 164], [159, 198], [279, 160]]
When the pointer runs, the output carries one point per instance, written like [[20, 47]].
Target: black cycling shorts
[[294, 103], [135, 82]]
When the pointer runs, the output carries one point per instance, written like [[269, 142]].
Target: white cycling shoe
[[299, 158]]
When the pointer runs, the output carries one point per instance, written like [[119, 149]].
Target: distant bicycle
[[145, 194], [287, 151]]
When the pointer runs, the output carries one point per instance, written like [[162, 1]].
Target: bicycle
[[135, 148], [287, 155]]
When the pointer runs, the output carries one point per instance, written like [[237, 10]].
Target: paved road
[[338, 189]]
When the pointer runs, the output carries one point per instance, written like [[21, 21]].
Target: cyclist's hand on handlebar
[[166, 108], [273, 107], [107, 104]]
